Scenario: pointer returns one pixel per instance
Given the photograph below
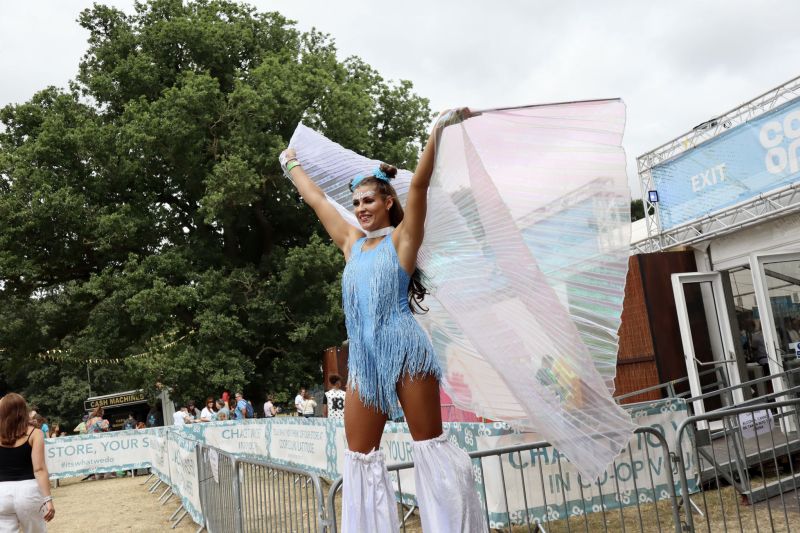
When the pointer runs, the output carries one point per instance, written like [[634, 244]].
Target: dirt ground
[[124, 504], [121, 504]]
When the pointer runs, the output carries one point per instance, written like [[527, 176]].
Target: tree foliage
[[145, 204], [637, 210]]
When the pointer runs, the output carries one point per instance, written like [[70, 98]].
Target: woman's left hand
[[48, 510], [450, 117]]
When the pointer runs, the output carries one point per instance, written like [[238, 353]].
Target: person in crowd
[[298, 401], [226, 398], [96, 422], [794, 333], [759, 347], [333, 403], [154, 417], [308, 405], [209, 412], [25, 499], [54, 432], [223, 412], [182, 416], [391, 358], [790, 327], [269, 407], [193, 411], [41, 422], [130, 422], [141, 425], [80, 429], [243, 408]]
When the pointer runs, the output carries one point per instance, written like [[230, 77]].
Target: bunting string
[[61, 356]]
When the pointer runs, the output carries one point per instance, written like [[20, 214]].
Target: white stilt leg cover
[[368, 500], [446, 491]]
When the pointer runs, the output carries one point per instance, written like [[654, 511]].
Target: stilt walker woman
[[391, 360]]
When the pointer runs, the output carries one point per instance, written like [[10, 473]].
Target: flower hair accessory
[[377, 174]]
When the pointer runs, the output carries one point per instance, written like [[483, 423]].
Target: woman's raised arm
[[342, 233], [411, 230]]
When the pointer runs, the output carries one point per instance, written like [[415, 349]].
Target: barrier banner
[[553, 488], [300, 443], [213, 462], [184, 473], [317, 445], [159, 455], [245, 438], [97, 453]]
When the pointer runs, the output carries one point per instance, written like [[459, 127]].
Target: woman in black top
[[25, 499]]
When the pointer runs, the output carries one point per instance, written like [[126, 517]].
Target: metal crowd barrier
[[637, 516], [280, 498], [746, 478], [243, 495], [750, 475], [219, 487]]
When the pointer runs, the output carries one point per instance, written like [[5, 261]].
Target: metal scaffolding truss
[[779, 202], [743, 214]]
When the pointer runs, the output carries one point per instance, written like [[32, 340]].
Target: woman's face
[[371, 208]]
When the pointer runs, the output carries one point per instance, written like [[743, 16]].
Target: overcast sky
[[676, 64]]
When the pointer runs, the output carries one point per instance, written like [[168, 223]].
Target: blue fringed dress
[[386, 342]]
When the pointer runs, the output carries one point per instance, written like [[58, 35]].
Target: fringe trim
[[441, 439], [375, 456], [396, 345]]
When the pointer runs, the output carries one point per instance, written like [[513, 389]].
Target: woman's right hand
[[49, 511]]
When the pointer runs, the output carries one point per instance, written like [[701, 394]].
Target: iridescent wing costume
[[525, 257]]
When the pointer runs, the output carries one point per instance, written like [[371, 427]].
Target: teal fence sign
[[553, 488]]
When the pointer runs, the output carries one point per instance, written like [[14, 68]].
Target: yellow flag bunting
[[66, 356]]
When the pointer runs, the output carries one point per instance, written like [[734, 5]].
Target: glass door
[[776, 279], [707, 338]]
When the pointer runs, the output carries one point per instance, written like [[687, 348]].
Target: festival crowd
[[239, 408]]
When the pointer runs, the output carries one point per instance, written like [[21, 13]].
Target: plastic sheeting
[[525, 256]]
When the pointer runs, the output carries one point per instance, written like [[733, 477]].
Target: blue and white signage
[[756, 157]]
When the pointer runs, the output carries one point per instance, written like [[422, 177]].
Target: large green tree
[[144, 205]]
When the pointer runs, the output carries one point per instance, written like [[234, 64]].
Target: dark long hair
[[13, 418], [416, 290]]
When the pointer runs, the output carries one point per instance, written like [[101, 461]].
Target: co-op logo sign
[[781, 138]]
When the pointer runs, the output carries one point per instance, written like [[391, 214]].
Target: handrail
[[711, 363], [743, 384], [668, 384], [765, 398], [734, 411], [674, 382]]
